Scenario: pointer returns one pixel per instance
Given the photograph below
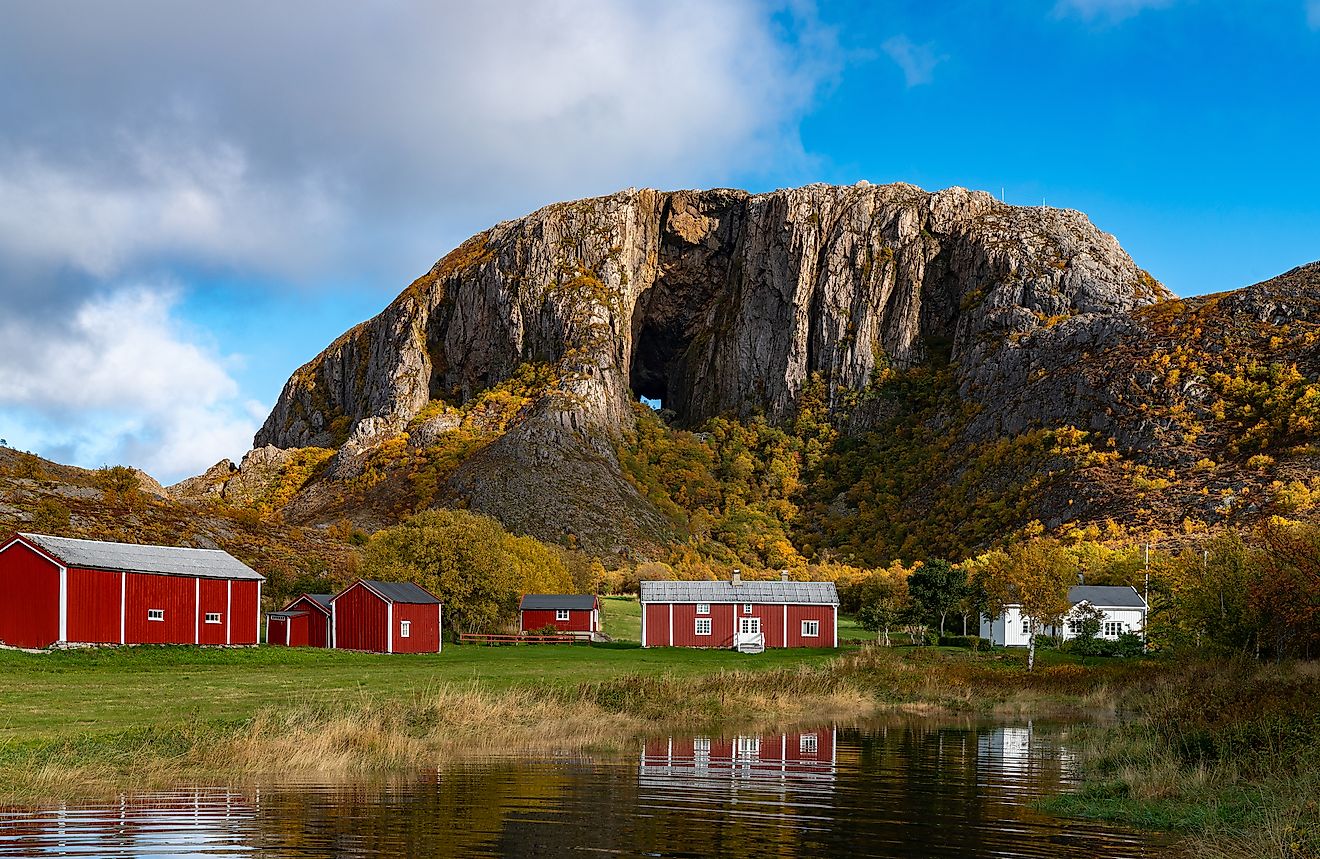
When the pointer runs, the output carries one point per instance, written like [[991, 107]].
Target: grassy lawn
[[623, 618], [90, 692]]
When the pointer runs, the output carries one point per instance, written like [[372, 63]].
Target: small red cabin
[[58, 590], [574, 613], [745, 615], [385, 617], [305, 622]]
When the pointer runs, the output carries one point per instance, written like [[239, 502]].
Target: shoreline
[[1143, 755]]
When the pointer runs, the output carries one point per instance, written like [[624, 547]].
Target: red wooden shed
[[575, 613], [385, 617], [748, 616], [305, 622], [58, 590]]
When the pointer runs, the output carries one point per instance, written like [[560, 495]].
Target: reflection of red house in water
[[799, 756]]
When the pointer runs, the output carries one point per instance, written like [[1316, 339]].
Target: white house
[[1125, 611]]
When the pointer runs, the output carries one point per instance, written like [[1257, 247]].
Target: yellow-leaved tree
[[469, 561], [1033, 574]]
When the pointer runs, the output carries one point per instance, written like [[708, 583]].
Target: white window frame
[[808, 744], [1026, 626], [563, 614], [811, 629], [703, 608], [1113, 628], [214, 617], [405, 629], [747, 608], [703, 626], [156, 615]]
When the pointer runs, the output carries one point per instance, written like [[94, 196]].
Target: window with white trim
[[1026, 626], [1074, 626], [703, 626], [155, 614], [703, 608], [811, 628], [747, 608], [562, 614], [701, 748], [1113, 628], [808, 744], [213, 617], [405, 628]]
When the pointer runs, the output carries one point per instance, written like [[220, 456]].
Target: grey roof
[[545, 602], [1106, 596], [287, 614], [775, 591], [132, 558], [400, 592], [322, 600]]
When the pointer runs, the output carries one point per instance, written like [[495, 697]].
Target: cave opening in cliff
[[659, 349]]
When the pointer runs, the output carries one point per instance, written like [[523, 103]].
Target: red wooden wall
[[724, 621], [93, 606], [579, 620], [173, 594], [318, 623], [277, 631], [245, 597], [360, 620], [29, 598], [424, 635]]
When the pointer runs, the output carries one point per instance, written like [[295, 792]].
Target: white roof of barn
[[132, 558], [774, 591]]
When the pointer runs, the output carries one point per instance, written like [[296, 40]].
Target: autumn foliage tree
[[1034, 574], [469, 561]]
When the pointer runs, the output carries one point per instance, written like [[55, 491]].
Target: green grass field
[[72, 693], [623, 618]]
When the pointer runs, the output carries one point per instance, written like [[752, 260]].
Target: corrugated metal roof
[[287, 614], [546, 602], [401, 592], [775, 591], [132, 558], [1106, 596]]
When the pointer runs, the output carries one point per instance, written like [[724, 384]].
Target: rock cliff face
[[715, 302]]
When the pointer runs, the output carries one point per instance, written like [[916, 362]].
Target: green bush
[[971, 642]]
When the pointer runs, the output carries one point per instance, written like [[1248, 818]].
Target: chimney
[[783, 575], [737, 578]]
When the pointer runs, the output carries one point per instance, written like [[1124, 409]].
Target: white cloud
[[1313, 14], [124, 382], [918, 62], [1110, 11], [311, 140]]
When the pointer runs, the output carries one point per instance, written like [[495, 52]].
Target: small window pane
[[811, 628], [561, 614], [405, 628], [703, 626], [747, 608], [703, 608], [213, 617], [155, 614]]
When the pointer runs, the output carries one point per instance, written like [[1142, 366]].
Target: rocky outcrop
[[716, 303]]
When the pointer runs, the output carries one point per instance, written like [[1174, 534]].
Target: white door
[[749, 625]]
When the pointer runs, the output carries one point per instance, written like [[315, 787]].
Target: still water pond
[[913, 789]]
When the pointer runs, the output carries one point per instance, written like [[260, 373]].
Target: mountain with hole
[[872, 372]]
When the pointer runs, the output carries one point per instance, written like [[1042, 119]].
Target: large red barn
[[571, 613], [58, 590], [745, 615], [385, 617], [305, 622]]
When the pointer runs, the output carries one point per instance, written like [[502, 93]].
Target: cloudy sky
[[196, 197]]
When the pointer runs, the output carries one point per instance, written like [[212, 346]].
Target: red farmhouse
[[56, 590], [305, 622], [747, 616], [576, 613], [385, 617]]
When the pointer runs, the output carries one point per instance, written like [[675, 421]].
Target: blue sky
[[198, 197]]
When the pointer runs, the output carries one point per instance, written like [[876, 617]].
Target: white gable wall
[[1006, 630]]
